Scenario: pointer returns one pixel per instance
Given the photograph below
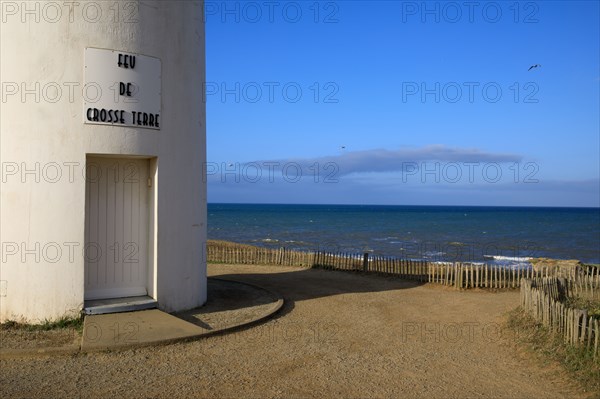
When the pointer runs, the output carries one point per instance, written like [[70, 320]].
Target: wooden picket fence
[[458, 275], [586, 286], [543, 299], [560, 288], [466, 275], [259, 256]]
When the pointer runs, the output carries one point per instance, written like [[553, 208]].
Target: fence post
[[366, 262]]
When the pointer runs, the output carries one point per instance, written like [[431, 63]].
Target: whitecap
[[508, 258], [429, 254]]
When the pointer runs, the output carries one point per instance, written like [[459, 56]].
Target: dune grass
[[579, 362], [47, 325]]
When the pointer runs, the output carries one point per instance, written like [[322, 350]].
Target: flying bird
[[534, 66]]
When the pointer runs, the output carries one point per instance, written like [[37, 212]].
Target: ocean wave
[[433, 253], [508, 258], [384, 239]]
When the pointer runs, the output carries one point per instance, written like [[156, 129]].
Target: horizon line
[[412, 205]]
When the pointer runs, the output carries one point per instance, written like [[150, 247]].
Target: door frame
[[152, 247]]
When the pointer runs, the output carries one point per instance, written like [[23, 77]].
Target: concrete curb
[[77, 349]]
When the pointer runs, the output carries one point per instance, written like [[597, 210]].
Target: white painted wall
[[43, 46]]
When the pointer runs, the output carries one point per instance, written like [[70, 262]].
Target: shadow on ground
[[231, 303], [306, 284]]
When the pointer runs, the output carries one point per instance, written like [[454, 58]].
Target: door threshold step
[[118, 305]]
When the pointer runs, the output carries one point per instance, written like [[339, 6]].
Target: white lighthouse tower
[[102, 146]]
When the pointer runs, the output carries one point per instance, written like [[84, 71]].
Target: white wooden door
[[116, 227]]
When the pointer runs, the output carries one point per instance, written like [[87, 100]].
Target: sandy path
[[340, 334]]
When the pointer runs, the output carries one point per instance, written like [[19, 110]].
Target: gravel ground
[[339, 334], [23, 339]]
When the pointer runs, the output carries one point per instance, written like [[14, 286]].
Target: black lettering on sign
[[144, 119], [106, 116], [126, 61], [125, 89]]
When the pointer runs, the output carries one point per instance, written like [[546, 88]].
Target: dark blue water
[[437, 233]]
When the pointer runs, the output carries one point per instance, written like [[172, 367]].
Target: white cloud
[[382, 160]]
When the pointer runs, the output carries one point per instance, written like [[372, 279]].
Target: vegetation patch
[[591, 305], [579, 362], [75, 323], [229, 245]]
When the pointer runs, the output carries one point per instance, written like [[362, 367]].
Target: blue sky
[[432, 103]]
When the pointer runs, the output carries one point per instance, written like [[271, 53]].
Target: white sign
[[122, 89]]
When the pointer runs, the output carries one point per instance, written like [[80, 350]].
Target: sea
[[507, 236]]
